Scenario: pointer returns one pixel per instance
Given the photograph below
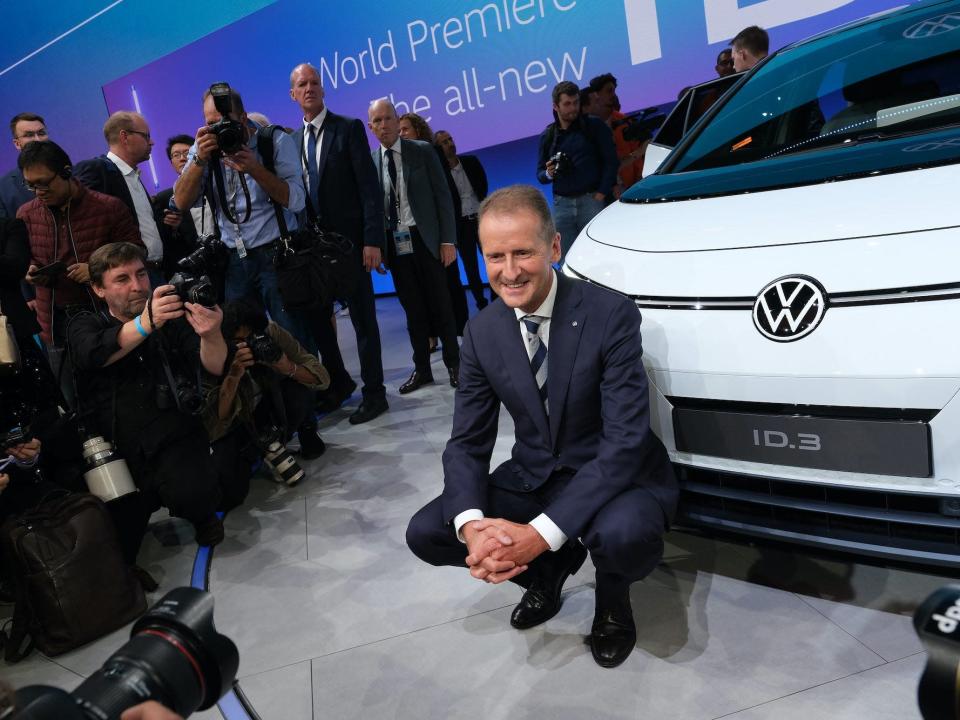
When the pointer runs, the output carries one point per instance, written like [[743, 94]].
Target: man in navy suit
[[26, 128], [586, 472], [344, 196]]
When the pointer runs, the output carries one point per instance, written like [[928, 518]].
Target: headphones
[[66, 172]]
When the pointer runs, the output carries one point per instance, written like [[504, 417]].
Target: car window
[[892, 77], [675, 126]]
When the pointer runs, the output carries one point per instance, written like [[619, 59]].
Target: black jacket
[[14, 261], [177, 242], [349, 199]]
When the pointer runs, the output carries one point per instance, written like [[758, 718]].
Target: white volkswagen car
[[796, 260]]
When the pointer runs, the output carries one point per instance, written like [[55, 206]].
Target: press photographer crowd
[[157, 350]]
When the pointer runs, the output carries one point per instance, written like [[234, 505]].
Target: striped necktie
[[538, 355]]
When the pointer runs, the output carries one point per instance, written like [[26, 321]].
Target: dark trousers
[[625, 538], [363, 315], [421, 285], [458, 298], [469, 241], [234, 455]]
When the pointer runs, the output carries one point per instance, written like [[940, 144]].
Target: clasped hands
[[498, 550]]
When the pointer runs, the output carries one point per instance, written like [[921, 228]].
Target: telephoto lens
[[175, 656], [937, 622], [107, 475], [282, 464]]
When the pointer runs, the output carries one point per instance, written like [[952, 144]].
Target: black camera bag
[[313, 266], [71, 583]]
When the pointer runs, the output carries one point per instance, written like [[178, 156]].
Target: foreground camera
[[937, 622], [175, 656], [230, 133], [194, 289]]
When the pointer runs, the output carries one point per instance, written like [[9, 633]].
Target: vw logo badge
[[933, 27], [789, 308]]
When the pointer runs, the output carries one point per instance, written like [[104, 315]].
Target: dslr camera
[[231, 135], [174, 656], [193, 282], [183, 395], [563, 165], [263, 347]]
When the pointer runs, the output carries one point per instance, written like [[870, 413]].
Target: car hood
[[871, 206]]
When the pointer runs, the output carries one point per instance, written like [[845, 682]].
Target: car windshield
[[892, 77]]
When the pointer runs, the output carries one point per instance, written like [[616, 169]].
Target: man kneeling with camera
[[139, 376], [266, 394]]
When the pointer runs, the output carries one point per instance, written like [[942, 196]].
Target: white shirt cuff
[[549, 531], [463, 518]]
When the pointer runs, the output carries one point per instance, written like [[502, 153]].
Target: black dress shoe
[[311, 444], [209, 532], [541, 601], [614, 634], [418, 378], [334, 396], [368, 410], [454, 374]]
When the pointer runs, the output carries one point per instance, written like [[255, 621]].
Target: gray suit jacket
[[427, 193]]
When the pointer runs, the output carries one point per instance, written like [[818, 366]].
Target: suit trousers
[[363, 315], [469, 241], [625, 538], [421, 283]]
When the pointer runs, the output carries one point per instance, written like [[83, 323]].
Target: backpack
[[71, 583]]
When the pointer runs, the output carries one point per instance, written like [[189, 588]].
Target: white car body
[[885, 247]]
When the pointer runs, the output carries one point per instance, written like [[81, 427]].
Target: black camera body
[[183, 396], [174, 656], [196, 289], [231, 135], [263, 347], [563, 165]]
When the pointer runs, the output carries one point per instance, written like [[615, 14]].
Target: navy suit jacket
[[349, 199], [13, 193], [599, 424], [102, 175], [428, 193]]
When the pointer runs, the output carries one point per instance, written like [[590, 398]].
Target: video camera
[[641, 125], [231, 136], [175, 656]]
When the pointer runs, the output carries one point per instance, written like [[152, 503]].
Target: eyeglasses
[[180, 154], [144, 135], [33, 134], [39, 186]]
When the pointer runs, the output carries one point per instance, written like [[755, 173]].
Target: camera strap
[[220, 186], [165, 361]]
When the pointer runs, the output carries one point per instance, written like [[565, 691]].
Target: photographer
[[224, 164], [267, 392], [139, 369], [578, 156]]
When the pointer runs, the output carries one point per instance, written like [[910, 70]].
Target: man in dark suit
[[26, 128], [116, 173], [586, 472], [178, 230], [471, 182], [421, 237], [344, 195]]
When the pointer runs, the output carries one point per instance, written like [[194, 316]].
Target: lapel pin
[[574, 323]]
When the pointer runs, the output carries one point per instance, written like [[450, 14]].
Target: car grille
[[899, 526]]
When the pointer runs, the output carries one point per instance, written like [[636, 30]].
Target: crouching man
[[139, 366]]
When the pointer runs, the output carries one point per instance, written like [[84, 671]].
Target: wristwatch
[[199, 161]]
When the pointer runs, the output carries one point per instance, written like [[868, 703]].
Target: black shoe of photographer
[[146, 580], [614, 633], [334, 396], [542, 600], [209, 532], [368, 410], [311, 444]]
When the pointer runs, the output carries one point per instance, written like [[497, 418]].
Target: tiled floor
[[335, 618]]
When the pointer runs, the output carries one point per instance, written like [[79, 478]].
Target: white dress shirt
[[141, 203], [541, 523], [469, 202], [316, 126], [406, 219]]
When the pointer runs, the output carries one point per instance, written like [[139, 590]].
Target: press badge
[[403, 242]]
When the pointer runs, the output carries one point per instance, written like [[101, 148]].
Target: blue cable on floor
[[234, 705]]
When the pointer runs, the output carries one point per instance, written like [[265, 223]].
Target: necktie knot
[[532, 323]]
